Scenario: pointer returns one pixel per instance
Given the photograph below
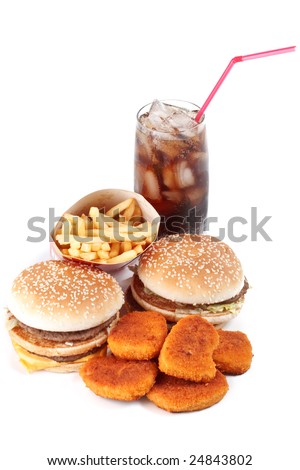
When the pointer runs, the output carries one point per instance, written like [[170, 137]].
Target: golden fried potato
[[118, 379], [138, 335], [187, 351], [233, 355], [118, 236], [176, 395]]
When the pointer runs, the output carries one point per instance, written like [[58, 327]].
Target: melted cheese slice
[[33, 363]]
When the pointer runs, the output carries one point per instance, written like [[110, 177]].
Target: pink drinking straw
[[239, 58]]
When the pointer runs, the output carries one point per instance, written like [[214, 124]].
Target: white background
[[73, 75]]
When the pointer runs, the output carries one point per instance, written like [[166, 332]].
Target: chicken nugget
[[176, 395], [110, 377], [138, 335], [233, 355], [187, 351]]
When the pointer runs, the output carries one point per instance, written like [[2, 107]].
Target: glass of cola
[[171, 164]]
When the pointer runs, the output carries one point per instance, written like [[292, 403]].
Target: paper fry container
[[105, 199]]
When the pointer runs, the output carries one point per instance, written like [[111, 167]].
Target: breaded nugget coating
[[176, 395], [138, 335], [187, 350], [234, 353], [110, 377]]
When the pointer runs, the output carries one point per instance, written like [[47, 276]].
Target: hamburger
[[187, 274], [59, 314]]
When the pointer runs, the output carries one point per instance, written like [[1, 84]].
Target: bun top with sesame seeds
[[64, 296], [192, 269]]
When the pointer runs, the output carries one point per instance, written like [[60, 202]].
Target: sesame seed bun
[[191, 269], [62, 296]]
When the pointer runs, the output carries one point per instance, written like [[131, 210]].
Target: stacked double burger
[[59, 314]]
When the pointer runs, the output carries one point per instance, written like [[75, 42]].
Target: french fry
[[115, 249], [138, 249], [126, 256], [79, 226], [75, 245], [107, 221], [75, 253], [86, 247], [62, 232], [144, 227], [103, 223], [128, 213], [137, 210], [68, 239], [88, 256], [103, 254], [105, 247], [118, 208], [98, 218], [143, 243], [119, 227], [150, 239], [65, 251], [77, 239], [90, 240], [94, 232], [64, 239], [126, 227], [126, 246], [88, 222], [66, 228], [116, 236], [96, 246], [136, 221], [94, 213], [69, 218]]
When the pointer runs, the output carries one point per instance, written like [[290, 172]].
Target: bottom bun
[[33, 362], [63, 368], [51, 349]]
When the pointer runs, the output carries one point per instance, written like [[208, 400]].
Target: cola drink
[[171, 164]]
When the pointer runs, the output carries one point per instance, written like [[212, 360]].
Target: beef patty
[[64, 336], [166, 304]]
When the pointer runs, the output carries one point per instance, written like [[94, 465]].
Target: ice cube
[[167, 118], [184, 175], [144, 148], [174, 196], [169, 177], [151, 186], [159, 109], [139, 171], [170, 148], [157, 116], [196, 194], [180, 120]]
